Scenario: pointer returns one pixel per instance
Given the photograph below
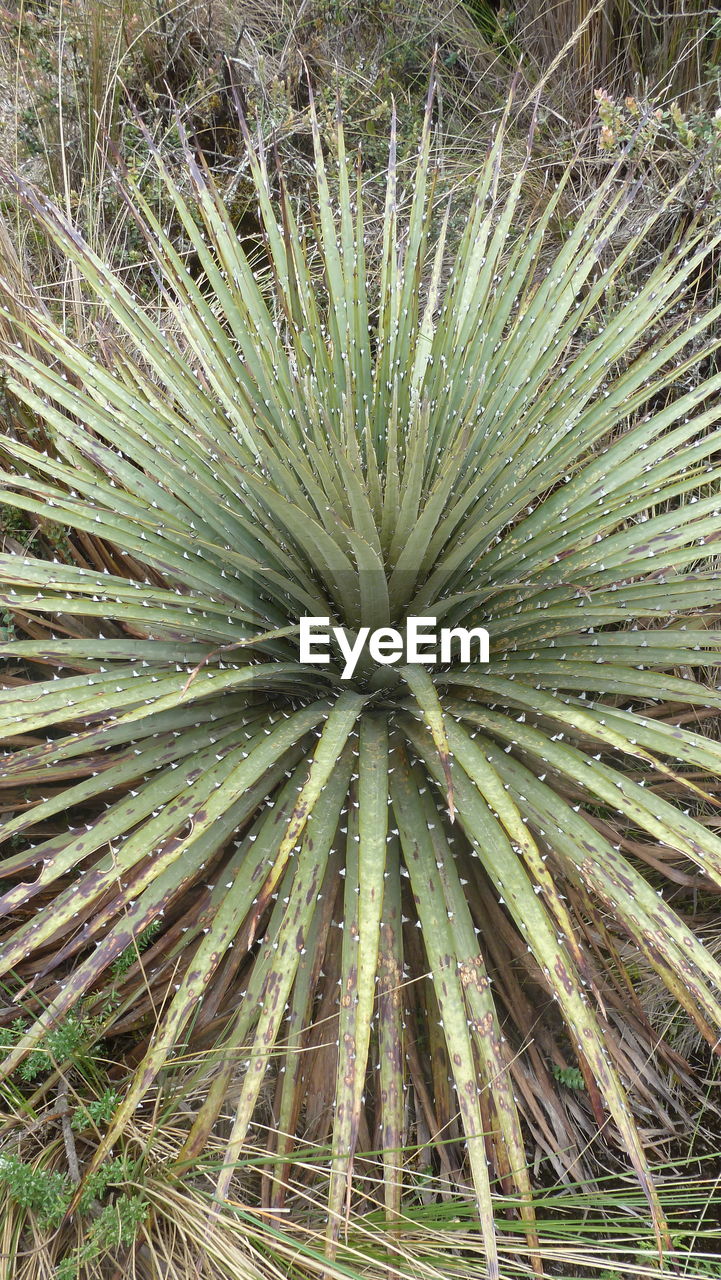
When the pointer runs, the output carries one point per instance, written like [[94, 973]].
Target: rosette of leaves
[[405, 898]]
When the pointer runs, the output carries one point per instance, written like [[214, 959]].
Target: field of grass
[[380, 1049]]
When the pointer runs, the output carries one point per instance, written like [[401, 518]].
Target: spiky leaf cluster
[[411, 892]]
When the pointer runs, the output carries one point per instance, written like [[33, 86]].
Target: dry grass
[[585, 1234]]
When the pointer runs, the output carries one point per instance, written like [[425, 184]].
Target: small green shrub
[[571, 1077], [45, 1195]]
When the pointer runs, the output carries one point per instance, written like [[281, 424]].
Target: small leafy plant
[[571, 1077], [46, 1198], [46, 1195], [67, 1042], [36, 1191], [637, 124]]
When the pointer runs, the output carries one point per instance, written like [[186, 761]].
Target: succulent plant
[[403, 893]]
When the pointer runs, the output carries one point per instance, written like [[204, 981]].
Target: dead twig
[[63, 1110]]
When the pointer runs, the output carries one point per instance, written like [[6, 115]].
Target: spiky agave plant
[[415, 879]]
